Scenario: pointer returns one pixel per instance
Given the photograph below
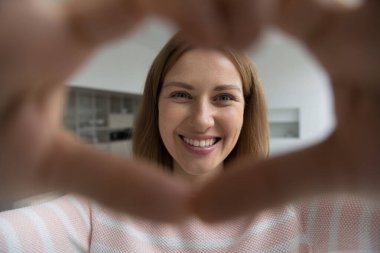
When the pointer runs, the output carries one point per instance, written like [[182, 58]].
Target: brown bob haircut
[[254, 137]]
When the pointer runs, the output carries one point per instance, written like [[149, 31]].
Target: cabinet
[[102, 118], [284, 122], [285, 126]]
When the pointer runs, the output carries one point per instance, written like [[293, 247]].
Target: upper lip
[[199, 137]]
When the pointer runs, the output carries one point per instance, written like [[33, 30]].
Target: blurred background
[[105, 93]]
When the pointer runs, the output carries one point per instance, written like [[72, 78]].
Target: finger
[[303, 18], [99, 21], [310, 20], [202, 24], [20, 22], [37, 48], [357, 111], [342, 4], [199, 20], [136, 188], [339, 37], [21, 147], [251, 188], [26, 132], [243, 22]]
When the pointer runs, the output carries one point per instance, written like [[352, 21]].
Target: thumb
[[249, 187], [134, 187]]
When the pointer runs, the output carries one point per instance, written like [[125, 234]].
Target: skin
[[41, 45], [346, 42], [201, 99]]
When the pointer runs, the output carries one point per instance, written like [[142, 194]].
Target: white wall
[[293, 79], [290, 76], [122, 65]]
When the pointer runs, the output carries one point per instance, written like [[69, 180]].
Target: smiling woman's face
[[201, 108]]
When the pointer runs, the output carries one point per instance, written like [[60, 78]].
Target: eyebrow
[[187, 86], [223, 87], [179, 84]]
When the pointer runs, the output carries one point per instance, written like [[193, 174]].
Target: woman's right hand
[[41, 45]]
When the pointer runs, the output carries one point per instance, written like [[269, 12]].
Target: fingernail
[[339, 4]]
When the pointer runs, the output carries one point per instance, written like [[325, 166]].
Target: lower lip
[[199, 150]]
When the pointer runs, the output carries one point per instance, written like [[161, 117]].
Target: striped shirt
[[73, 224]]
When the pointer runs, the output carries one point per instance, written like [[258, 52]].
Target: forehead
[[201, 66]]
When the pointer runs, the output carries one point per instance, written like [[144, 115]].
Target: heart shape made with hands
[[49, 42]]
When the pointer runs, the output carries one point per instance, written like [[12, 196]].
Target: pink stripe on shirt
[[344, 224]]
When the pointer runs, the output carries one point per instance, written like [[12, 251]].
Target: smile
[[203, 143]]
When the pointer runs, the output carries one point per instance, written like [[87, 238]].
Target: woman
[[196, 97], [201, 108]]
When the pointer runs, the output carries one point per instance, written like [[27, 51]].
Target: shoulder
[[65, 208], [52, 225], [340, 222]]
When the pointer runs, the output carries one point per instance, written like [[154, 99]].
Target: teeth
[[200, 143]]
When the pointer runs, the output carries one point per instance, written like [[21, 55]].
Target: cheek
[[168, 118], [233, 121], [232, 124]]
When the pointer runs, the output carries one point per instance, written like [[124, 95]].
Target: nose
[[202, 116]]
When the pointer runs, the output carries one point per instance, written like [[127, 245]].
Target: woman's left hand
[[347, 43], [347, 161]]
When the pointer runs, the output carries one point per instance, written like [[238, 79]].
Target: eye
[[224, 98], [180, 95]]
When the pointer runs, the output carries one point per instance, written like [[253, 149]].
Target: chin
[[196, 171]]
